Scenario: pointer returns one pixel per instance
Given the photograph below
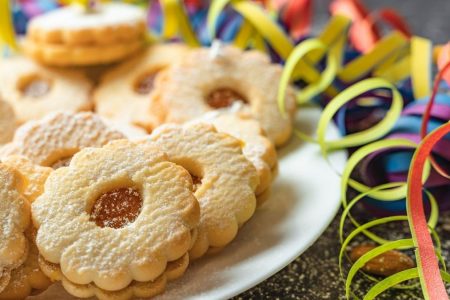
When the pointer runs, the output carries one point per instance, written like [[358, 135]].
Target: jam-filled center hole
[[34, 86], [224, 97], [145, 83], [117, 208]]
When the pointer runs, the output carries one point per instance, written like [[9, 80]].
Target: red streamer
[[427, 114], [365, 31], [444, 58], [426, 257]]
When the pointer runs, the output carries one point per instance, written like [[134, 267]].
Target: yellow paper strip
[[7, 33], [363, 65], [421, 63]]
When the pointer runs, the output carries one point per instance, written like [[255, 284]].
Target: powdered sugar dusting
[[14, 219], [108, 257], [60, 135], [228, 179], [74, 17]]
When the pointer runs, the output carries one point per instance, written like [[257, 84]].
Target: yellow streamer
[[177, 22], [7, 33], [421, 62], [397, 72], [300, 51], [334, 34], [244, 35], [368, 135], [363, 65]]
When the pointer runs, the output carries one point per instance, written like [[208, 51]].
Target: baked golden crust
[[111, 258], [226, 180]]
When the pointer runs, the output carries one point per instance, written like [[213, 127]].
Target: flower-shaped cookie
[[27, 278], [33, 90], [53, 140], [123, 92], [32, 176], [116, 214], [8, 122], [174, 270], [225, 180], [14, 220], [257, 148], [203, 81]]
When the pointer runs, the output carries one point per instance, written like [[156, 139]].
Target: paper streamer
[[427, 264], [7, 32]]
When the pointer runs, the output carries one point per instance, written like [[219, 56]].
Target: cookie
[[257, 148], [53, 140], [224, 179], [71, 36], [123, 92], [116, 214], [8, 122], [63, 56], [71, 25], [27, 279], [32, 176], [174, 270], [202, 82], [33, 91], [14, 220]]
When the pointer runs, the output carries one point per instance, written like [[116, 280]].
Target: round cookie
[[14, 220], [53, 140], [8, 122], [33, 90], [116, 214], [174, 270], [224, 179], [71, 36], [257, 148], [64, 56], [32, 176], [71, 25], [123, 92], [26, 279], [202, 82]]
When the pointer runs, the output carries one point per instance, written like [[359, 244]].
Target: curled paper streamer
[[365, 33], [427, 264], [7, 32], [444, 58], [176, 21]]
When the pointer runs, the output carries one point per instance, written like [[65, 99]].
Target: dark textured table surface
[[315, 274]]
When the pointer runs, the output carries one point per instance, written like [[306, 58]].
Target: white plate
[[305, 198]]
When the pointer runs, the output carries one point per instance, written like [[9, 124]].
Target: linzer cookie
[[32, 176], [8, 122], [33, 91], [206, 80], [257, 148], [53, 140], [115, 218], [225, 181], [27, 279], [174, 270], [73, 36], [14, 220], [123, 92]]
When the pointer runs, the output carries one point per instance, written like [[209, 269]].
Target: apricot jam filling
[[117, 208], [223, 97]]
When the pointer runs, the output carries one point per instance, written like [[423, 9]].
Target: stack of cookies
[[72, 36], [115, 178]]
